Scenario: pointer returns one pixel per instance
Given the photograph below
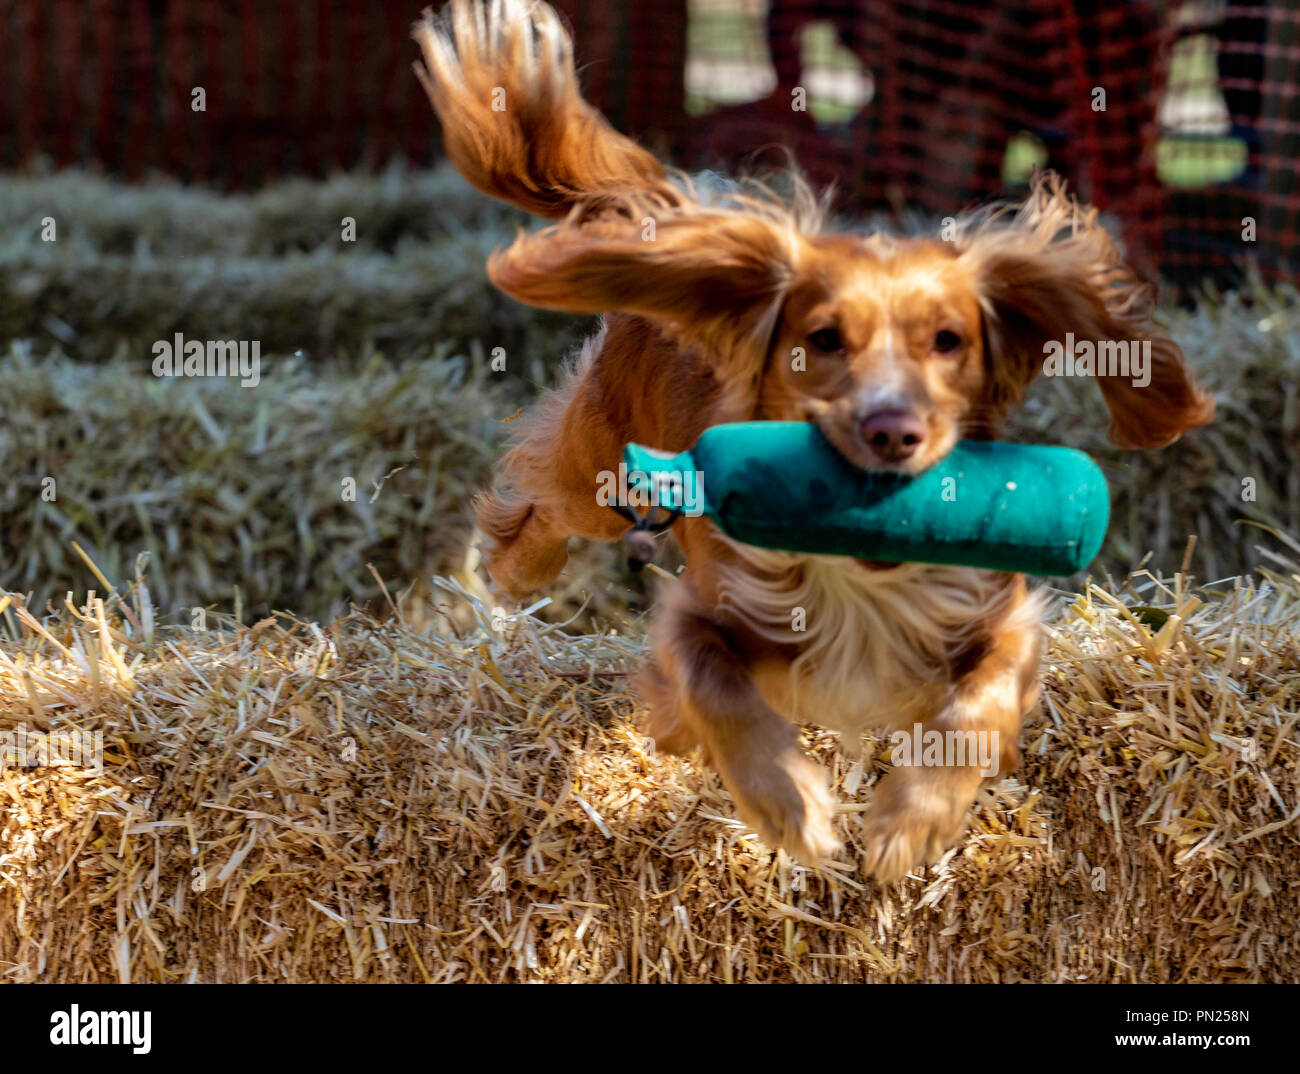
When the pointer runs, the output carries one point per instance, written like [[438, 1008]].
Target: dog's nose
[[893, 435]]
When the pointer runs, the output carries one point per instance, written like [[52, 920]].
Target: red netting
[[947, 102]]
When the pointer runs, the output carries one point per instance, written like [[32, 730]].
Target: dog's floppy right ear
[[717, 275], [1052, 270]]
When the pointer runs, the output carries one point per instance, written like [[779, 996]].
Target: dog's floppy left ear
[[1052, 271], [718, 276]]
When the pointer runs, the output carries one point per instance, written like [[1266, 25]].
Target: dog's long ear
[[718, 275], [1052, 270]]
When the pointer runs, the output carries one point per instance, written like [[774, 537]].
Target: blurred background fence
[[1180, 118]]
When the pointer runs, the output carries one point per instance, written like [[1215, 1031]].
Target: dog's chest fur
[[877, 648]]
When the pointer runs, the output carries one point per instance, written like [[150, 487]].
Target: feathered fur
[[730, 305]]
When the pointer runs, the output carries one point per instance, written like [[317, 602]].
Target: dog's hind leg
[[528, 539], [525, 549], [548, 487]]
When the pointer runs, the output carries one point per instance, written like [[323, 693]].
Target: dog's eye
[[946, 341], [827, 340]]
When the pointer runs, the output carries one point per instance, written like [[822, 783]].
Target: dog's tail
[[500, 76]]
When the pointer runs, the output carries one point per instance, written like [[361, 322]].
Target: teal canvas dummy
[[1024, 508]]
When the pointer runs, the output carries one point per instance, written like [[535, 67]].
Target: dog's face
[[880, 342], [897, 348]]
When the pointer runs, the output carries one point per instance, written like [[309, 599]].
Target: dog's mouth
[[875, 565], [847, 439]]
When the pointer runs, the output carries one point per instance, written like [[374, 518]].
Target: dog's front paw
[[786, 800], [917, 813]]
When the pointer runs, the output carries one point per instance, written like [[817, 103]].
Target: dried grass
[[373, 802]]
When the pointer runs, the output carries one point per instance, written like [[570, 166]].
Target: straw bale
[[475, 801]]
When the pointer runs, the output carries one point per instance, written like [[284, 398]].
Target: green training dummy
[[1025, 508]]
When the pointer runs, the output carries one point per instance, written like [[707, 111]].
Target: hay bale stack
[[130, 265], [371, 802], [226, 486], [287, 490], [134, 265], [164, 219]]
